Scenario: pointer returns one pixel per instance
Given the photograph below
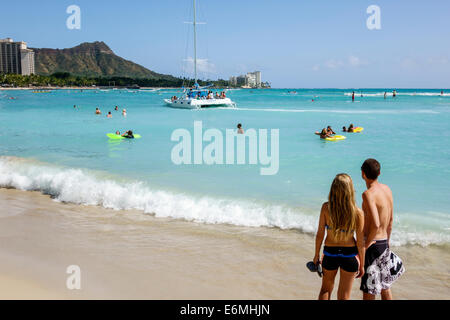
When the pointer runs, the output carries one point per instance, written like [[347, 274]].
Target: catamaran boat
[[197, 97]]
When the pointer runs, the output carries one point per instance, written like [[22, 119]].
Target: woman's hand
[[360, 271], [316, 259]]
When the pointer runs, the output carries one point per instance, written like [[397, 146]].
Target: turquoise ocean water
[[47, 145]]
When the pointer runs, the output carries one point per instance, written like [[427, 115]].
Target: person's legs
[[368, 296], [386, 294], [345, 284], [327, 284]]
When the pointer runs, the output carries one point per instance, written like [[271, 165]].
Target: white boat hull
[[199, 103]]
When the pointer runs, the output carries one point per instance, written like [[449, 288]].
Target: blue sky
[[295, 43]]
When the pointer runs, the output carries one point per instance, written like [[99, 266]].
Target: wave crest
[[85, 187]]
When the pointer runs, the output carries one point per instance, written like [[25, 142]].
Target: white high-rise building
[[27, 61], [250, 80], [253, 79]]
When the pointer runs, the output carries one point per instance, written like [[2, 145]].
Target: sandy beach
[[144, 257]]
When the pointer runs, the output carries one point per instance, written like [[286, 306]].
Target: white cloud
[[354, 61], [438, 60], [203, 66], [351, 61], [333, 64]]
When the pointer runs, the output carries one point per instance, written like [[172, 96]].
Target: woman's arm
[[360, 242], [320, 232]]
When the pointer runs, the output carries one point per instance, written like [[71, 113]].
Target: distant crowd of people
[[328, 131], [109, 115], [202, 95]]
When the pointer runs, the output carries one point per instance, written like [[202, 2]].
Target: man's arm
[[371, 215], [391, 220]]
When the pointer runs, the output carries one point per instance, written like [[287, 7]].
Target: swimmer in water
[[97, 111], [124, 112], [323, 134], [330, 131], [128, 134], [118, 132], [350, 128], [240, 130], [344, 129], [116, 108], [109, 115]]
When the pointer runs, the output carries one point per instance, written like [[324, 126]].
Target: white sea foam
[[389, 94], [84, 187], [352, 111]]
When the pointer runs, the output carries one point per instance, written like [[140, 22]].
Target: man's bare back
[[381, 266], [378, 212]]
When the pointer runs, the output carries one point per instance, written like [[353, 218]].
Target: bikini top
[[328, 227]]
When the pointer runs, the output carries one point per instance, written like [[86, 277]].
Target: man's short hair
[[371, 168]]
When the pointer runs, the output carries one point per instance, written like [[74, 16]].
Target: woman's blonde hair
[[342, 206]]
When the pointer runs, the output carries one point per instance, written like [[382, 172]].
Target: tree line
[[65, 79]]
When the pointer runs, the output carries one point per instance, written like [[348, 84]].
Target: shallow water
[[47, 145]]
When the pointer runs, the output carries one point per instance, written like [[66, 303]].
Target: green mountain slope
[[94, 59]]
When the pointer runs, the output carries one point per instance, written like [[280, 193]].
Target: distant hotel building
[[15, 57], [250, 80]]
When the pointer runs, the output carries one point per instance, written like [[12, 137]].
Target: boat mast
[[195, 46]]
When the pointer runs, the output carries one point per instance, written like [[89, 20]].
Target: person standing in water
[[385, 94], [353, 96], [394, 94], [341, 218], [382, 267]]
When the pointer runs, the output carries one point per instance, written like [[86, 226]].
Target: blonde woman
[[341, 219]]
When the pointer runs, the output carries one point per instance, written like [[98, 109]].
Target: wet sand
[[131, 255]]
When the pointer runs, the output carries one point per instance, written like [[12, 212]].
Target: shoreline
[[84, 88], [160, 258]]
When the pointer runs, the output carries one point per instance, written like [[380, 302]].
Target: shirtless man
[[382, 267]]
